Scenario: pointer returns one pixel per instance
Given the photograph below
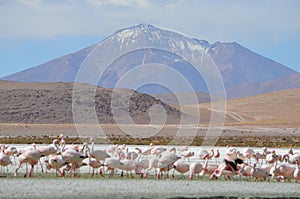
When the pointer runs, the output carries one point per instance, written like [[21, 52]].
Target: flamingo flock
[[66, 160]]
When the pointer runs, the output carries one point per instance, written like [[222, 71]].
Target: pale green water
[[141, 188]]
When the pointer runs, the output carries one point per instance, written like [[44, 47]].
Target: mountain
[[244, 72], [46, 103], [254, 88]]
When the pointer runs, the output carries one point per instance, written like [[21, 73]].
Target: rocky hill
[[51, 103]]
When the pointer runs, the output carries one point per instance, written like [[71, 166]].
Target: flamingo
[[11, 151], [71, 168], [282, 170], [145, 152], [130, 155], [56, 162], [296, 174], [240, 155], [50, 149], [153, 163], [245, 170], [248, 153], [293, 158], [142, 165], [157, 151], [257, 173], [187, 154], [112, 149], [203, 154], [208, 168], [231, 152], [217, 155], [181, 167], [195, 168], [4, 158], [31, 157], [112, 164], [128, 166], [258, 156], [266, 151], [228, 168], [97, 154], [95, 164], [183, 149], [271, 158], [166, 162], [72, 157]]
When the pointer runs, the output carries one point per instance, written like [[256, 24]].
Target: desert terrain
[[37, 112]]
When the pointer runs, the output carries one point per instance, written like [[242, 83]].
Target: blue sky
[[35, 31]]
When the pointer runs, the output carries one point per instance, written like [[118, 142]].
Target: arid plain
[[271, 119]]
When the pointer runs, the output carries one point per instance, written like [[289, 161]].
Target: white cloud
[[211, 20]]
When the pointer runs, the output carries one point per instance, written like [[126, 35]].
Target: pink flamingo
[[128, 166], [181, 167], [187, 154], [97, 154], [282, 170], [49, 149], [31, 157], [56, 162], [245, 170], [130, 155], [157, 151], [195, 168], [95, 164], [258, 173], [112, 164], [4, 158], [166, 162], [208, 168], [258, 156], [153, 163], [293, 158], [217, 155], [73, 158], [145, 152], [142, 165], [296, 174], [228, 168], [248, 153]]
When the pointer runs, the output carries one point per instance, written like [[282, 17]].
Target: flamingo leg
[[93, 173], [31, 171]]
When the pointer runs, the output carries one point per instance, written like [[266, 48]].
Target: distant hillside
[[248, 89], [271, 108], [184, 98], [52, 103]]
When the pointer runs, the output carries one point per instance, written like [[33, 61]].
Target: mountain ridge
[[238, 65]]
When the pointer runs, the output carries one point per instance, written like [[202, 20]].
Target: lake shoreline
[[243, 136]]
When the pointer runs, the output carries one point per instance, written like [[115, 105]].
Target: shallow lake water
[[142, 188], [99, 187]]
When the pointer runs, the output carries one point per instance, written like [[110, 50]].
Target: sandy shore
[[16, 129], [243, 135]]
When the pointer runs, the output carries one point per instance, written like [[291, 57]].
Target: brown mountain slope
[[52, 103], [280, 107]]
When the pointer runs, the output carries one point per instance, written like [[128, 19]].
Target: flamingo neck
[[92, 147], [206, 162]]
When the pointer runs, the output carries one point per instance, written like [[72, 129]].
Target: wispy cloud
[[212, 20]]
